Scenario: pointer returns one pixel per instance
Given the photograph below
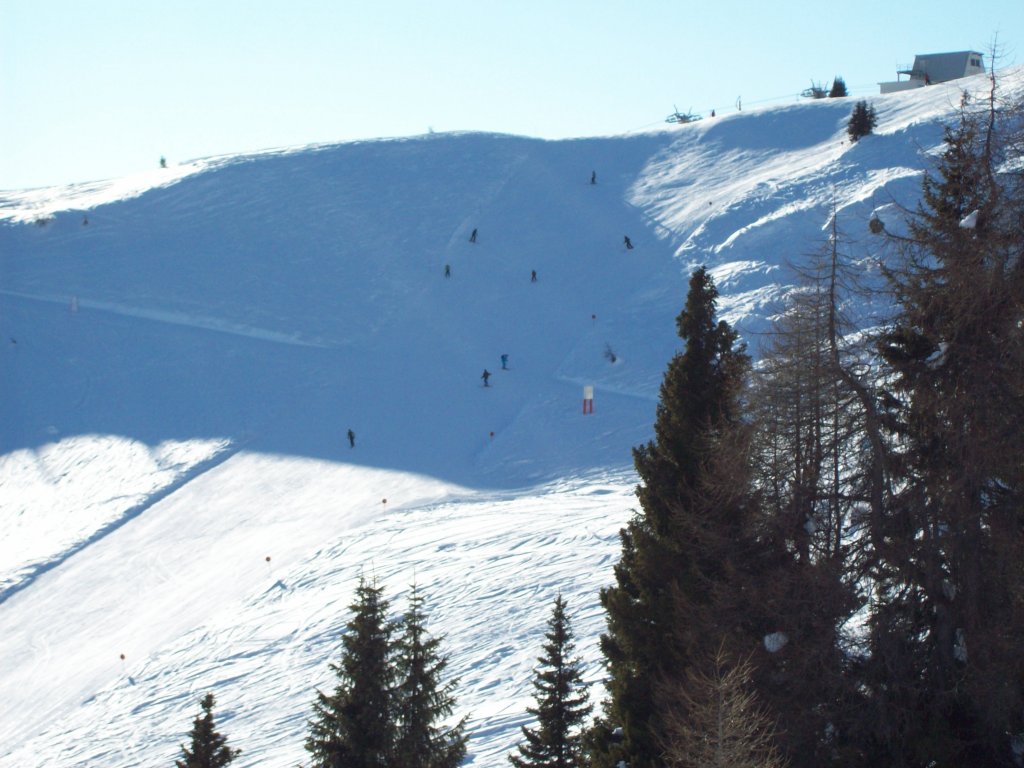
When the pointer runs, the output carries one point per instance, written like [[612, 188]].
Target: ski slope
[[182, 353]]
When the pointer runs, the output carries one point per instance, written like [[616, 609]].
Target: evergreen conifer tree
[[838, 88], [355, 726], [947, 676], [424, 699], [682, 552], [208, 749], [561, 698], [862, 121]]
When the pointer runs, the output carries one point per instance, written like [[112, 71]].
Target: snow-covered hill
[[183, 352]]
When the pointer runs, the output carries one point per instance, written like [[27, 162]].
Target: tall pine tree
[[208, 749], [814, 477], [355, 726], [424, 699], [947, 668], [682, 553], [561, 698]]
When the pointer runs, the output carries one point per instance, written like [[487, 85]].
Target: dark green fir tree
[[862, 121], [669, 605], [207, 749], [562, 706], [424, 698], [354, 727], [948, 670]]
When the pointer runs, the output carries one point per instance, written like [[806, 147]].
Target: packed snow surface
[[183, 353]]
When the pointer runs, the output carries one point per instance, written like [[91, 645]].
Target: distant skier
[[447, 270], [486, 375], [85, 221], [593, 177], [504, 362], [628, 242], [351, 439], [533, 275], [472, 236], [163, 161]]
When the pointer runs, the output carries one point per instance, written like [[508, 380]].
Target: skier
[[351, 439], [593, 177], [486, 375], [533, 275], [628, 242], [504, 362], [163, 162], [472, 236], [447, 270]]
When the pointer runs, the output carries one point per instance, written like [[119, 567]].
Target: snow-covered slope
[[183, 352]]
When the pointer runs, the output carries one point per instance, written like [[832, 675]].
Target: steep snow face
[[748, 192], [293, 296], [183, 352]]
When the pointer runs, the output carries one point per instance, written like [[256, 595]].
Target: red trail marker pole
[[588, 399]]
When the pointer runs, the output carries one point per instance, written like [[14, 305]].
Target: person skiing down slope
[[504, 362], [472, 237], [628, 242], [486, 375], [351, 439]]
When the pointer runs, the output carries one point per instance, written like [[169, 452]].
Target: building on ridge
[[931, 68]]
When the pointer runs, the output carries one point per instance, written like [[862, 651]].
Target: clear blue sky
[[100, 89]]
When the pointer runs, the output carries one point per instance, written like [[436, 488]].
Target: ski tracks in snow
[[179, 318]]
